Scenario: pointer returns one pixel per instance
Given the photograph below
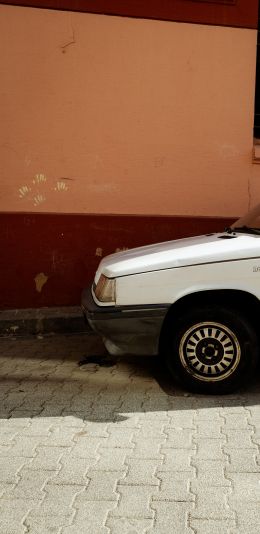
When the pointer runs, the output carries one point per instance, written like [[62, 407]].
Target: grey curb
[[34, 321]]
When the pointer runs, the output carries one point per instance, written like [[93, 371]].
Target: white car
[[194, 302]]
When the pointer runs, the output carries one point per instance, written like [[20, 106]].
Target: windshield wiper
[[246, 230]]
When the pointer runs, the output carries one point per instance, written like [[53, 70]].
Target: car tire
[[211, 349]]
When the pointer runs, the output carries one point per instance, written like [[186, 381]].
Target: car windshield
[[249, 222]]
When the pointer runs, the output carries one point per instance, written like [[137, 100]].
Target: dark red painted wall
[[64, 248], [242, 13]]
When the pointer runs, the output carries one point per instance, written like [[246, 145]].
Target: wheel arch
[[236, 299]]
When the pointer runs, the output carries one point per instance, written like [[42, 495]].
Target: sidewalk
[[119, 449]]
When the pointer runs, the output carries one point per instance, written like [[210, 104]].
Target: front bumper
[[125, 329]]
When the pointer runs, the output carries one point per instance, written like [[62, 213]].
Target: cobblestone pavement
[[119, 450]]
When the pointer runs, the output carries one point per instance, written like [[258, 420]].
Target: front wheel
[[212, 349]]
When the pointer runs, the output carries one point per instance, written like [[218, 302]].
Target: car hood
[[209, 248]]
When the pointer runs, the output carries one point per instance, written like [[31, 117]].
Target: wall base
[[47, 259], [28, 322]]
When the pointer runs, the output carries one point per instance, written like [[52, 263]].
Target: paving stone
[[69, 388], [8, 437], [81, 417], [208, 449], [72, 421], [38, 427], [37, 524], [90, 518], [50, 410], [212, 503], [112, 461], [6, 488], [180, 419], [254, 419], [110, 397], [147, 448], [35, 400], [245, 488], [211, 526], [236, 421], [156, 430], [58, 502], [127, 420], [141, 471], [102, 486], [13, 513], [86, 447], [182, 401], [47, 458], [176, 460], [81, 404], [14, 424], [209, 413], [236, 406], [104, 413], [80, 528], [13, 399], [133, 401], [239, 439], [209, 473], [40, 527], [120, 437], [179, 438], [29, 412], [161, 415], [59, 437], [242, 461], [248, 518], [5, 450], [151, 405], [9, 469], [174, 487], [7, 385], [46, 388], [30, 485], [98, 429], [171, 517], [152, 388], [72, 470], [209, 429], [134, 502], [125, 525]]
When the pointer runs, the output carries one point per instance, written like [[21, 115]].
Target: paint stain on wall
[[38, 199], [61, 186], [39, 178], [40, 280], [99, 252], [121, 249], [70, 41], [38, 189], [14, 328], [24, 191]]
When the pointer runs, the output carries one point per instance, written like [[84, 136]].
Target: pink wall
[[114, 115]]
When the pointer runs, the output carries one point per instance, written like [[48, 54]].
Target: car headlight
[[105, 290]]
